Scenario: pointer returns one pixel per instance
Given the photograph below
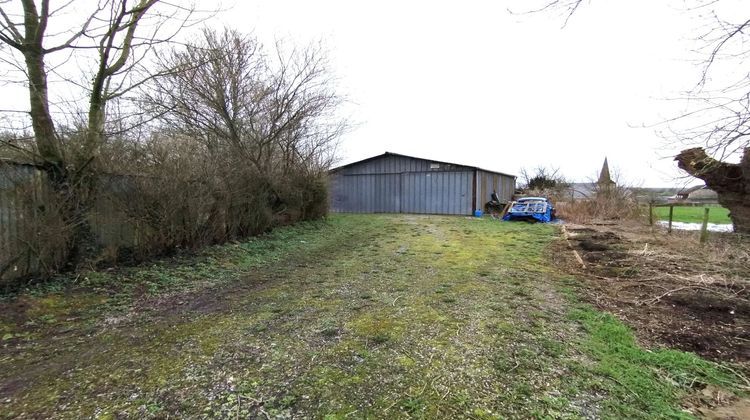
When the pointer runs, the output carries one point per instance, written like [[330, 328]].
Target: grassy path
[[359, 317]]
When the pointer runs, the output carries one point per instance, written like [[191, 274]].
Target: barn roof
[[420, 158]]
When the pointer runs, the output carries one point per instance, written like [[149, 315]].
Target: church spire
[[604, 177]]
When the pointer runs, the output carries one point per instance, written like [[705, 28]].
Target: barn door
[[388, 193], [436, 192], [367, 193]]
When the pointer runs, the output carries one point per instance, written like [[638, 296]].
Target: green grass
[[716, 214], [355, 317], [641, 383]]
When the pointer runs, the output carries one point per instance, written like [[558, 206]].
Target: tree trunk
[[731, 181], [68, 184], [44, 129]]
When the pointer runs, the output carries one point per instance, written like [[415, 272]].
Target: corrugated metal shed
[[395, 183]]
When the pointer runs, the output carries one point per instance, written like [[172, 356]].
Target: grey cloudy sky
[[470, 82]]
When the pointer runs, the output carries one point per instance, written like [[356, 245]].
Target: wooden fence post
[[650, 213], [704, 228], [671, 212]]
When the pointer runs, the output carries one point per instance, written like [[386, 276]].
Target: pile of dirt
[[671, 290]]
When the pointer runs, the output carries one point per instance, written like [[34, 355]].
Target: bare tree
[[717, 118], [112, 37], [543, 179], [274, 111], [265, 121]]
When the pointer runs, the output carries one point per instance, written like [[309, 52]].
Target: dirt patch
[[713, 403], [670, 289], [591, 240]]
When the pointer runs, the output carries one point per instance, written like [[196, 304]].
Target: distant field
[[694, 214]]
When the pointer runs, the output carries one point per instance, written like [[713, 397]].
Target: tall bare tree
[[718, 121], [543, 178], [273, 110], [265, 120]]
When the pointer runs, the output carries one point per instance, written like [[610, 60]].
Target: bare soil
[[676, 293], [672, 290], [714, 404]]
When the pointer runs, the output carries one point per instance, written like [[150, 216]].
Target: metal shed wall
[[447, 192], [487, 182], [369, 193], [436, 192], [402, 184]]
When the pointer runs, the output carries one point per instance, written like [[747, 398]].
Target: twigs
[[742, 377], [668, 293]]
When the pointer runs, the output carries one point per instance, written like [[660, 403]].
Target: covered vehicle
[[533, 209]]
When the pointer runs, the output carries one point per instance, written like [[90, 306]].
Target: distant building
[[584, 190], [700, 194], [605, 180], [581, 190], [654, 194]]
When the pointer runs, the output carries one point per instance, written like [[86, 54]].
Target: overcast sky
[[470, 82]]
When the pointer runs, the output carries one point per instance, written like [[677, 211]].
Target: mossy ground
[[356, 317]]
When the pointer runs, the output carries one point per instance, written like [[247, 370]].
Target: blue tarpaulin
[[532, 209]]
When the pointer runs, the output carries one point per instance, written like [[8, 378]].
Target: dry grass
[[671, 289], [615, 204]]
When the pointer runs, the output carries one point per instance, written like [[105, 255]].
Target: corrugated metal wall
[[401, 184], [23, 192], [487, 182], [20, 186], [372, 193], [436, 192], [410, 192]]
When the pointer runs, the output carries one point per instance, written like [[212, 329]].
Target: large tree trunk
[[44, 130], [731, 181], [47, 143]]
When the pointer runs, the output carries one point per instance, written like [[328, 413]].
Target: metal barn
[[394, 183]]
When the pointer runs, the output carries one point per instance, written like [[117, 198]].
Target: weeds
[[642, 383], [607, 203]]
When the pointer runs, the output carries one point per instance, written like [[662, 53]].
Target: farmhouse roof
[[687, 191]]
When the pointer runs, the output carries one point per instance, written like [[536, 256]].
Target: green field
[[716, 214], [356, 317]]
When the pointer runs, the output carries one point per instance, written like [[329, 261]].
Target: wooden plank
[[506, 209], [577, 256]]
